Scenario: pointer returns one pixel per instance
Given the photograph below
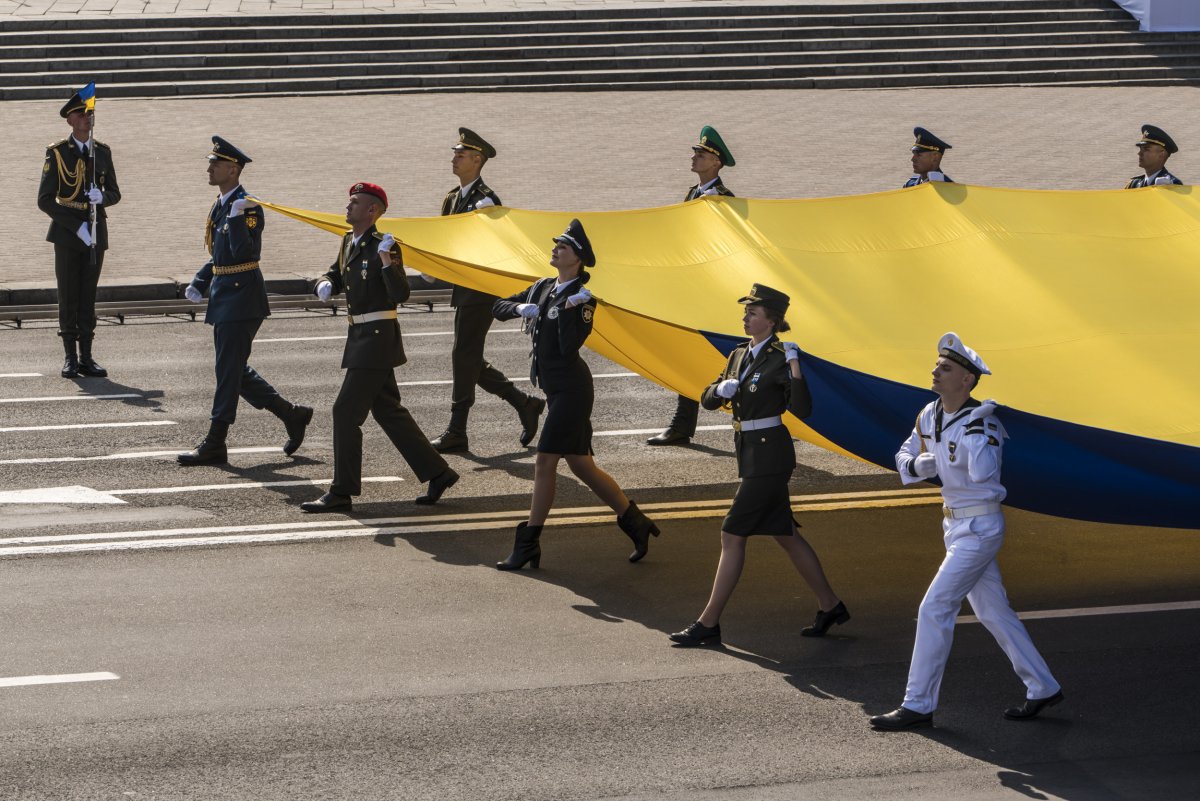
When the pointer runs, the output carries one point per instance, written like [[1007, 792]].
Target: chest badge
[[364, 270], [754, 382], [951, 447], [553, 313]]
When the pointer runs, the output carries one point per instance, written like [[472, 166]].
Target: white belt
[[370, 317], [755, 425], [971, 511]]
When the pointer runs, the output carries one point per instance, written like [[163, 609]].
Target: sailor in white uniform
[[960, 440]]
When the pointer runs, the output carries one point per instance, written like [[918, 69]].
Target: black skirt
[[762, 505], [567, 428]]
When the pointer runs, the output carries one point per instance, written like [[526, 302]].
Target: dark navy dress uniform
[[67, 175], [237, 304], [558, 333], [766, 456], [374, 347]]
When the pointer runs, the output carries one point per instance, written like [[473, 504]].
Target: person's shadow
[[149, 398]]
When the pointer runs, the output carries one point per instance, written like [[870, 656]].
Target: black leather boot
[[454, 438], [639, 528], [211, 450], [295, 419], [70, 368], [526, 549], [529, 410], [683, 424], [87, 365]]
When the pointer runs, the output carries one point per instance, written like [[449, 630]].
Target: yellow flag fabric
[[1084, 304]]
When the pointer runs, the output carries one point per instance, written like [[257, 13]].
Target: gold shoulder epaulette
[[777, 345], [101, 144], [53, 145]]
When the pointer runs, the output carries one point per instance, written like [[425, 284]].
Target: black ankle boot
[[87, 365], [639, 528], [295, 420], [526, 549], [70, 368], [529, 411], [211, 450]]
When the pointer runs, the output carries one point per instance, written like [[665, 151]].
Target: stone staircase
[[693, 46]]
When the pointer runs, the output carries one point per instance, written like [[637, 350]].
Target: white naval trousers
[[970, 571]]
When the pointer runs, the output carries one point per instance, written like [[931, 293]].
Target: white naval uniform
[[967, 446]]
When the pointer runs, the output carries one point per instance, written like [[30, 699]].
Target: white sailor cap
[[954, 349]]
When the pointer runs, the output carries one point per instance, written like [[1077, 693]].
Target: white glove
[[324, 290], [387, 243], [84, 233], [193, 294], [95, 196], [483, 204], [579, 298], [528, 310], [728, 388], [791, 351], [240, 205], [925, 465], [429, 279], [985, 409]]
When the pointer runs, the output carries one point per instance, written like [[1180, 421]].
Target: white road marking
[[61, 678], [87, 495], [90, 425], [1132, 609], [407, 335], [241, 485], [524, 378], [20, 375], [69, 398], [133, 455], [343, 527], [58, 495]]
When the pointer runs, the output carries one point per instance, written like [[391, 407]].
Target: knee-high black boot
[[70, 367], [638, 527], [525, 549]]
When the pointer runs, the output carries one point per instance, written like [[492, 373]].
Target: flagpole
[[92, 156]]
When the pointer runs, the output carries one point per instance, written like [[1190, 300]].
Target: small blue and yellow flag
[[88, 95]]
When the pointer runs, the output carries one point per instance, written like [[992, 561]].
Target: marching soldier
[[1154, 148], [927, 153], [77, 177], [473, 313], [762, 379], [960, 441], [370, 270], [708, 157], [237, 305]]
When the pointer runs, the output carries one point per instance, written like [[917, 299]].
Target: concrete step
[[385, 63]]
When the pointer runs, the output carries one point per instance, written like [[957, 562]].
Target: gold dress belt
[[235, 268], [71, 204], [370, 317]]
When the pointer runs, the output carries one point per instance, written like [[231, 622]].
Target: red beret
[[370, 189]]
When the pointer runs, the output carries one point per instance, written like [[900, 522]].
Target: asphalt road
[[262, 654]]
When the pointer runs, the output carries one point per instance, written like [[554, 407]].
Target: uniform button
[[764, 439], [235, 283]]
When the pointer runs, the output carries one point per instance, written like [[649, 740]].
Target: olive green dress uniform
[[766, 457], [373, 349], [67, 175]]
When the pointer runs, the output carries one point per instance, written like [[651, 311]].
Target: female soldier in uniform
[[760, 382], [558, 313]]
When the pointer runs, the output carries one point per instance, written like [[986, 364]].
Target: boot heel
[[536, 562], [654, 529]]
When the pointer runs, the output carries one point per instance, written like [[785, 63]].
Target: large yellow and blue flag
[[88, 95], [1082, 303]]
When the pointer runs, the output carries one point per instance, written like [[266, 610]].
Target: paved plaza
[[559, 151]]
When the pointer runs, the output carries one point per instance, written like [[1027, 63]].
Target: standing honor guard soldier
[[708, 157], [78, 185], [959, 440], [473, 313], [1154, 148], [761, 381], [370, 270], [927, 154], [237, 305], [559, 314]]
